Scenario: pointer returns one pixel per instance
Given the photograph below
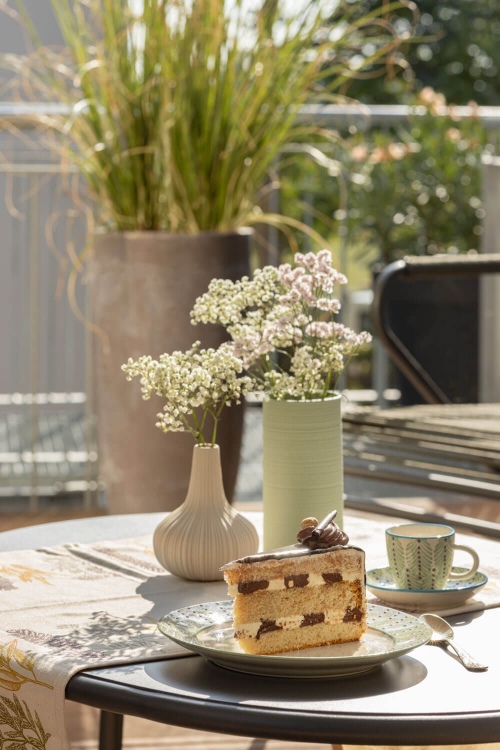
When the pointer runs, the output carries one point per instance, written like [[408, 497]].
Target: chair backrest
[[426, 314]]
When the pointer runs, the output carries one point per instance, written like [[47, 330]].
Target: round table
[[425, 697]]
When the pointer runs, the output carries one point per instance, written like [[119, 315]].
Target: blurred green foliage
[[455, 49], [419, 191], [414, 191]]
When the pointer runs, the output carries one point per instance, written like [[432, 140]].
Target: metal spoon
[[442, 633]]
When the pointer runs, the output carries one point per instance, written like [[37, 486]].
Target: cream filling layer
[[315, 579], [292, 622]]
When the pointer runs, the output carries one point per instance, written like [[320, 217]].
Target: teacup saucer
[[380, 582]]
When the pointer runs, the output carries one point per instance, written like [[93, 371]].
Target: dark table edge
[[255, 721]]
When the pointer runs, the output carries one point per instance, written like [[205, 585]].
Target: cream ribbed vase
[[302, 465], [205, 532]]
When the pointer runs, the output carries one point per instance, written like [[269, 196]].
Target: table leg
[[110, 731]]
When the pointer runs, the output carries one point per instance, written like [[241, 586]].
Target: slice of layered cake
[[309, 594]]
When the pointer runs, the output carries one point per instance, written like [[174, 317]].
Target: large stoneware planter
[[302, 466], [143, 286]]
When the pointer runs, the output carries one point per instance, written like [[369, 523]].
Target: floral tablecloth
[[66, 608]]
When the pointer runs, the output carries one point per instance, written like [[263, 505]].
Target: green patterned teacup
[[421, 556]]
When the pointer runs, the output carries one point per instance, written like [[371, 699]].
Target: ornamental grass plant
[[175, 111]]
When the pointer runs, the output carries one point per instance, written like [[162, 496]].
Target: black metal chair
[[447, 285], [426, 314]]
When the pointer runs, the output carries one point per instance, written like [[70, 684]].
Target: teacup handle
[[468, 573]]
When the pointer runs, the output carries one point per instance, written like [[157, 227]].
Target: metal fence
[[47, 429], [47, 445]]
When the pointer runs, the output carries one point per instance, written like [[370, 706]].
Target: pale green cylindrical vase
[[302, 465]]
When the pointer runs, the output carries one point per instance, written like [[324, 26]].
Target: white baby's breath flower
[[282, 324], [205, 379], [320, 329], [328, 304]]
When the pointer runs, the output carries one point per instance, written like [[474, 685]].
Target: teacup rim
[[392, 530]]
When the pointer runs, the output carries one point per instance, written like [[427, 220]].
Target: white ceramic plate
[[207, 629], [380, 582]]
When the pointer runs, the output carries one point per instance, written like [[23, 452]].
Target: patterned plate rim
[[391, 622]]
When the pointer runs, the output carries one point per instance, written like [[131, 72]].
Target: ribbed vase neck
[[205, 482]]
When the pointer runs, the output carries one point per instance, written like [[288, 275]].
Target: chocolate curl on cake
[[321, 535]]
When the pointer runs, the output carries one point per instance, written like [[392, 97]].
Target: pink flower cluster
[[282, 324]]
